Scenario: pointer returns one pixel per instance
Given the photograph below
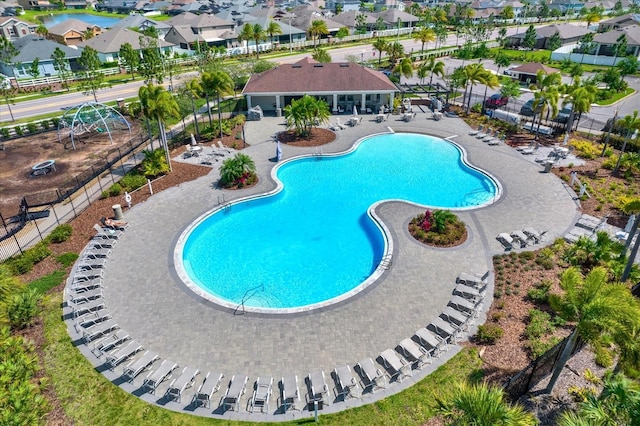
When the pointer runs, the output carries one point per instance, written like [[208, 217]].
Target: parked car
[[496, 101], [527, 109], [563, 114]]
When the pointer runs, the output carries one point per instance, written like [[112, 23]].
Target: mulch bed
[[317, 137]]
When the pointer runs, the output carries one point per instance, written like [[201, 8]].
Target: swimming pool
[[315, 240]]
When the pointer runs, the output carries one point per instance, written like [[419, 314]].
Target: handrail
[[246, 297]]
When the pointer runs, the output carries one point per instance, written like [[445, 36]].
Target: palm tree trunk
[[165, 145], [149, 131], [219, 114], [209, 111], [562, 361], [624, 146], [634, 251], [195, 118], [469, 103]]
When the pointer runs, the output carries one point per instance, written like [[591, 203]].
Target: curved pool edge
[[387, 253]]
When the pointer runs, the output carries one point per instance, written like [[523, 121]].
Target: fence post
[[72, 207], [35, 222], [121, 162], [55, 214]]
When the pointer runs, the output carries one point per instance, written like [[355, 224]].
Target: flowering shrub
[[427, 221], [440, 228]]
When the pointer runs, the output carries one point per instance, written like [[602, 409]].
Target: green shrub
[[586, 149], [32, 127], [527, 255], [540, 292], [22, 308], [46, 283], [104, 195], [60, 234], [19, 130], [539, 324], [115, 190], [24, 263], [67, 259], [55, 121], [4, 132], [132, 181], [539, 347], [488, 334]]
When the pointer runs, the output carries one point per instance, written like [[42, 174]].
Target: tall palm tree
[[253, 32], [424, 36], [434, 67], [216, 83], [404, 68], [395, 51], [158, 104], [317, 29], [304, 113], [546, 96], [580, 99], [601, 311], [380, 45], [273, 29], [193, 90], [481, 404], [475, 73]]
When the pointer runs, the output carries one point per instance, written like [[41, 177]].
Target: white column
[[277, 101], [363, 103], [391, 101], [335, 103], [249, 102]]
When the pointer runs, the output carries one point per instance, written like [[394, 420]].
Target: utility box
[[547, 166]]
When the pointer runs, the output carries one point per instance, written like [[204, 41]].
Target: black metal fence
[[37, 214], [523, 381]]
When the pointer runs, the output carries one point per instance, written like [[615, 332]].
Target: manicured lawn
[[524, 55], [88, 398], [616, 97]]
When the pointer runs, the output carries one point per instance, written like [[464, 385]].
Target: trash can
[[278, 112], [117, 212], [547, 166]]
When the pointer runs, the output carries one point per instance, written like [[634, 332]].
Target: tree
[[601, 312], [404, 68], [424, 36], [594, 15], [502, 60], [529, 40], [380, 45], [92, 78], [273, 29], [252, 32], [628, 65], [42, 31], [620, 48], [433, 67], [216, 83], [233, 169], [160, 105], [507, 12], [546, 95], [580, 99], [502, 37], [510, 89], [554, 41], [9, 285], [342, 33], [193, 89], [631, 207], [476, 73], [585, 44], [34, 68], [61, 65], [480, 404], [129, 58], [154, 163], [151, 65], [321, 55], [303, 113], [317, 29], [395, 51], [630, 123], [87, 34]]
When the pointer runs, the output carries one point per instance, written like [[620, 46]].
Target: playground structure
[[90, 117]]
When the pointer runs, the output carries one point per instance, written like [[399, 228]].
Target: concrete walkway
[[145, 297]]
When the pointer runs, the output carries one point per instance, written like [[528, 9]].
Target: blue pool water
[[103, 22], [314, 241]]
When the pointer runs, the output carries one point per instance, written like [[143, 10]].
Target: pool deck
[[146, 298]]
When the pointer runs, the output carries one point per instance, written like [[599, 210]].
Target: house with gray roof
[[343, 85], [33, 47], [108, 43], [12, 28], [142, 23], [117, 6], [568, 33], [391, 17], [208, 28], [72, 31], [349, 19], [618, 22], [607, 41]]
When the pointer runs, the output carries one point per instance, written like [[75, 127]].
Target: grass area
[[89, 398], [615, 98], [524, 55], [46, 283]]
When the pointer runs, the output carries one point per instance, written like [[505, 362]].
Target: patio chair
[[290, 393], [82, 307], [82, 286], [446, 330], [87, 274], [457, 317], [87, 320], [339, 124], [317, 385], [99, 330], [476, 131], [106, 233], [159, 375], [137, 366], [520, 238], [178, 385], [90, 264], [433, 343], [209, 386], [506, 241], [110, 342], [483, 134], [102, 243], [373, 376], [469, 292], [473, 280], [466, 305], [533, 235], [418, 355], [496, 141], [96, 253], [345, 381], [122, 354], [236, 389], [261, 393], [78, 298], [397, 367]]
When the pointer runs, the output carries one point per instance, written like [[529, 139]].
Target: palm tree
[[380, 45], [631, 123], [304, 113], [546, 96], [425, 35], [404, 68], [253, 33], [233, 169], [159, 105], [434, 67], [273, 29], [193, 90], [154, 163], [395, 51], [580, 99], [600, 310], [317, 29], [481, 404], [587, 253], [216, 83], [42, 31], [475, 73]]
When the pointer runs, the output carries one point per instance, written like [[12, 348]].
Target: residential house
[[568, 33], [341, 85], [75, 4], [72, 31], [117, 6], [142, 23], [12, 28], [108, 43], [206, 28], [350, 18], [37, 4], [394, 18], [33, 47], [566, 7], [607, 41], [527, 73], [618, 22]]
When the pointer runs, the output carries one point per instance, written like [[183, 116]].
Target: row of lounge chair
[[487, 135], [520, 239], [585, 226]]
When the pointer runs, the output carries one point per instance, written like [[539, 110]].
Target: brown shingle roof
[[309, 76], [533, 68]]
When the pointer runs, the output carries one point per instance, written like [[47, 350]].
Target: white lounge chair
[[373, 376], [318, 389], [469, 292], [290, 393], [87, 274], [110, 342], [122, 354], [106, 233], [520, 238], [476, 131], [96, 253], [82, 286], [222, 147], [473, 280], [506, 241], [206, 390], [433, 343], [459, 318], [261, 393], [465, 305], [137, 366], [88, 264], [397, 367], [339, 124], [99, 330], [85, 321], [446, 330], [184, 381], [78, 298], [533, 235], [418, 355], [236, 389], [159, 375], [345, 381]]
